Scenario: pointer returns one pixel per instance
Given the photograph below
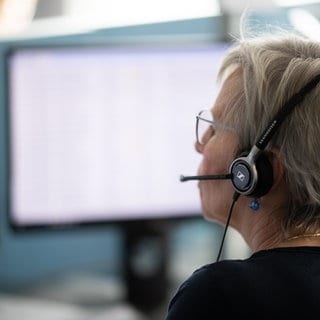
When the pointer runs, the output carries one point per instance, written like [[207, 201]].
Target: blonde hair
[[273, 68]]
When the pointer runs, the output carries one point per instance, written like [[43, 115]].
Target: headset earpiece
[[265, 176], [252, 178]]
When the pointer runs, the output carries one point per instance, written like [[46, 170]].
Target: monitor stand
[[146, 263]]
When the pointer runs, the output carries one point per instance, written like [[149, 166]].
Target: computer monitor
[[100, 133]]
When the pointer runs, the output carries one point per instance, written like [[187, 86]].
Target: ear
[[277, 166]]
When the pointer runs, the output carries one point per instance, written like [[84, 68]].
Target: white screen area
[[99, 134]]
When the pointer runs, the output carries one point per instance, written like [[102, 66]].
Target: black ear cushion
[[265, 176]]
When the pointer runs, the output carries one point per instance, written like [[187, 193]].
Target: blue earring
[[254, 205]]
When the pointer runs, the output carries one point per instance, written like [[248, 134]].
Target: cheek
[[216, 195], [215, 199], [215, 161]]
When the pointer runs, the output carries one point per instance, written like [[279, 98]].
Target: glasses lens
[[204, 128]]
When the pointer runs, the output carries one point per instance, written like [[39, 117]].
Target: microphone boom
[[206, 177]]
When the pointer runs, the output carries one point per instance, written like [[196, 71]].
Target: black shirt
[[281, 283]]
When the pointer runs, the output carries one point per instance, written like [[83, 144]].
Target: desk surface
[[14, 307], [71, 297]]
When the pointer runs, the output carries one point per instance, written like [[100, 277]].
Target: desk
[[77, 297]]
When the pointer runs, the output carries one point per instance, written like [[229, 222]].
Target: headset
[[251, 173]]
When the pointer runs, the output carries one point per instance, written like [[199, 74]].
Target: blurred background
[[97, 113]]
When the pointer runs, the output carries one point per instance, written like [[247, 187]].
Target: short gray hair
[[273, 68]]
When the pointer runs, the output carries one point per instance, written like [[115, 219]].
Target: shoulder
[[229, 286], [215, 275], [204, 291], [214, 286]]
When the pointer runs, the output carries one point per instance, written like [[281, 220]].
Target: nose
[[198, 147]]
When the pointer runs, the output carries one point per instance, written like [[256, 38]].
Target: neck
[[260, 229]]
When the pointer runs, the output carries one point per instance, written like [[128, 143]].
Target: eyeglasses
[[206, 126]]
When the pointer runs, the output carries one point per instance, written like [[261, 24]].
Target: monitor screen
[[101, 134]]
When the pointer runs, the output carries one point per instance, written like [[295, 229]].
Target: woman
[[268, 107]]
